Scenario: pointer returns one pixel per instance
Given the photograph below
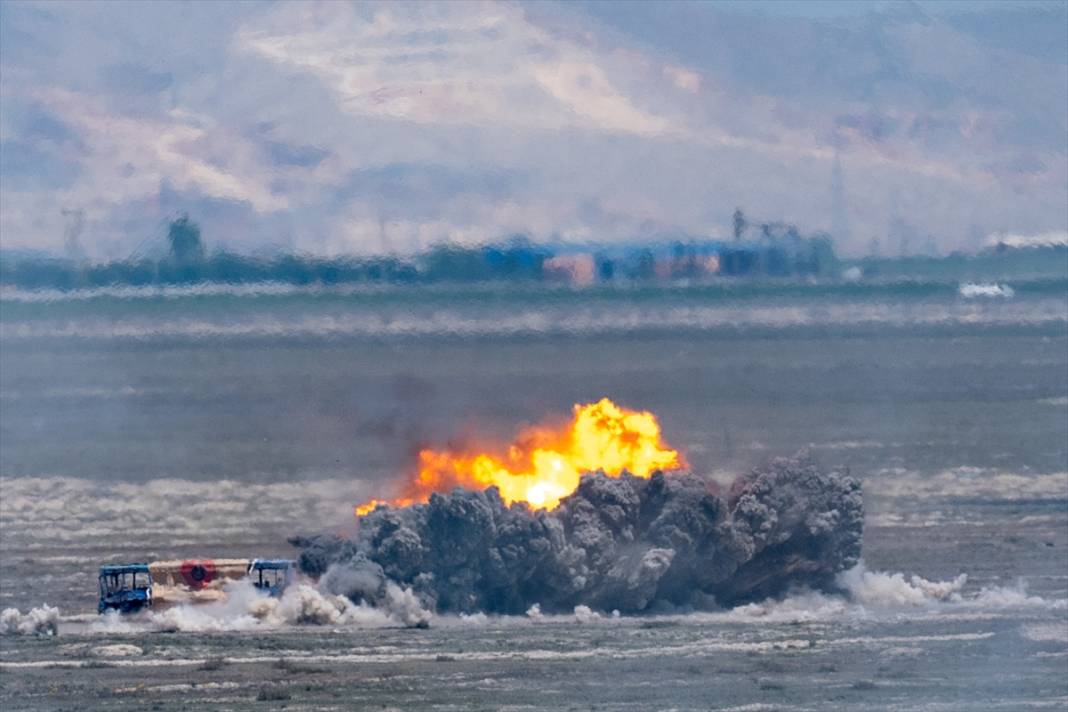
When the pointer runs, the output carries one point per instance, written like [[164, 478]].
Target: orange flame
[[544, 465]]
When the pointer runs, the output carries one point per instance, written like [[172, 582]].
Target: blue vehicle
[[271, 576], [126, 588]]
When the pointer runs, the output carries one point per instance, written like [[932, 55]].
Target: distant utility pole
[[898, 228], [383, 234], [903, 231], [975, 238], [839, 210], [75, 223], [930, 247]]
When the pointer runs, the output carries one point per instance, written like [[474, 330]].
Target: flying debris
[[662, 541]]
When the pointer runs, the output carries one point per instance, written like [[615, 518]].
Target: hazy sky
[[335, 128]]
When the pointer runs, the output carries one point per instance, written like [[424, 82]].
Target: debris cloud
[[659, 543], [43, 620]]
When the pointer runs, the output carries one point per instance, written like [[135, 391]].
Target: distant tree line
[[220, 267], [188, 263], [780, 251]]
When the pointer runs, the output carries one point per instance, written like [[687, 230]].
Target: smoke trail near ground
[[246, 608], [38, 621], [625, 543]]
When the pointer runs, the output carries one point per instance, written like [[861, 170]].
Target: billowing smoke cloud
[[625, 543]]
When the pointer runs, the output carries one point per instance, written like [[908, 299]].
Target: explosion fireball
[[545, 464], [626, 543], [605, 528]]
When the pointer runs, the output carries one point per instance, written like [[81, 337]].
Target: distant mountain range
[[335, 129]]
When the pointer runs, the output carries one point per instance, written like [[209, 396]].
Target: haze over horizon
[[336, 128]]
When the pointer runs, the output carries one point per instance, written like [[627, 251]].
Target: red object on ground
[[198, 573]]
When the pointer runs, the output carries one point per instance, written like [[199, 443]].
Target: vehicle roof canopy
[[219, 565], [110, 569], [272, 563]]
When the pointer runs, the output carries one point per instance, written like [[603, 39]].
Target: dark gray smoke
[[622, 543]]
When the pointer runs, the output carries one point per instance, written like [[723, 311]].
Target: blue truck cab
[[126, 588], [271, 576]]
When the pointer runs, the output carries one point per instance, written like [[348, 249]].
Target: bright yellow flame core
[[545, 465]]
